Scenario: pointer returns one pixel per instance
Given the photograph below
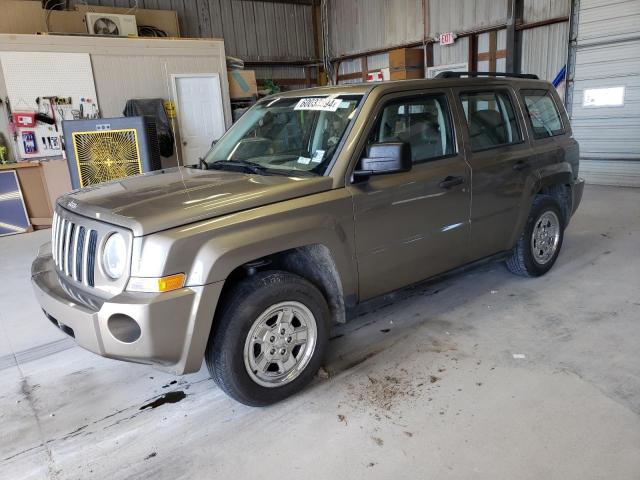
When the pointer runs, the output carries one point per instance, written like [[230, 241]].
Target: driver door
[[412, 225]]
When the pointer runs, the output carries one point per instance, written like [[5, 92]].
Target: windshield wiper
[[252, 167]]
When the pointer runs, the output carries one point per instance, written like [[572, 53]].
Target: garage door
[[605, 101]]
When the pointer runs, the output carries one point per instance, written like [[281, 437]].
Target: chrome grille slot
[[54, 228], [66, 246], [60, 246], [78, 264], [91, 254]]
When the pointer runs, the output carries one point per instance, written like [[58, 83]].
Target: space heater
[[100, 150]]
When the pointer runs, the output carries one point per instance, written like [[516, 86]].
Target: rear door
[[415, 224], [499, 154]]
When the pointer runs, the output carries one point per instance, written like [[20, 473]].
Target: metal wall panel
[[464, 15], [608, 20], [539, 10], [377, 62], [363, 25], [350, 66], [544, 50], [360, 25], [450, 54], [608, 55], [253, 30], [278, 72]]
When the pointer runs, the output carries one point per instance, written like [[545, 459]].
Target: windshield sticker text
[[317, 156], [318, 103]]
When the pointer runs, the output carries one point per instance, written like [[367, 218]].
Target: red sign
[[375, 76], [446, 38], [24, 119]]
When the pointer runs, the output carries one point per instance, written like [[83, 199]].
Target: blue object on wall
[[560, 76], [13, 214]]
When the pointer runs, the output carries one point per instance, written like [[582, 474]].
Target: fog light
[[156, 285], [124, 328]]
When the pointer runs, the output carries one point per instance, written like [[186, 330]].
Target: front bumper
[[173, 326]]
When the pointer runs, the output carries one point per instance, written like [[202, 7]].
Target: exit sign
[[447, 38]]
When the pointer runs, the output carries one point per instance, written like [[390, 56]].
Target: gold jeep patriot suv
[[313, 202]]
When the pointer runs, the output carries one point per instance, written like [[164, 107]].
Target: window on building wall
[[603, 97], [491, 119], [543, 113], [424, 122]]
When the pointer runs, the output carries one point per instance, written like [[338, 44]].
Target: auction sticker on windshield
[[318, 103]]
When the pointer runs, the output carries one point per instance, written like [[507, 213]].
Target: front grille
[[74, 248]]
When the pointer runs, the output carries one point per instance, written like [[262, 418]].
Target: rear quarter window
[[543, 113], [491, 119]]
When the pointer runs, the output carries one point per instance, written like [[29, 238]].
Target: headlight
[[114, 256]]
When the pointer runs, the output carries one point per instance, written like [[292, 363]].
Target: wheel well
[[312, 262], [562, 194]]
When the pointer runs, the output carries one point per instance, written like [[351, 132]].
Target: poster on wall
[[13, 213], [40, 103]]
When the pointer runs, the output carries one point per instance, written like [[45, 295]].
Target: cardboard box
[[406, 73], [406, 57], [28, 17], [165, 20], [65, 21], [242, 83], [21, 17]]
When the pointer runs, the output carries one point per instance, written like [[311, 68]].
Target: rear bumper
[[576, 192], [172, 328]]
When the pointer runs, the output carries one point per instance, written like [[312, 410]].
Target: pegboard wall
[[30, 76]]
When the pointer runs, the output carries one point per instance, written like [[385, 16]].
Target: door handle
[[450, 181], [521, 165]]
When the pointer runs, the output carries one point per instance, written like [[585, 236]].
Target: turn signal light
[[172, 282], [157, 285]]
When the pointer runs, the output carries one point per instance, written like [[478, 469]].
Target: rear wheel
[[270, 338], [539, 245]]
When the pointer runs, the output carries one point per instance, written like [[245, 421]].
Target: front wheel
[[539, 245], [270, 338]]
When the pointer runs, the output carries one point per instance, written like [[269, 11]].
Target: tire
[[526, 259], [240, 352]]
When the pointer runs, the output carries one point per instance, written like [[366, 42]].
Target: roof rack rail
[[451, 74]]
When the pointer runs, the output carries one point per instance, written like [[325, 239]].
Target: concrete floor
[[428, 386]]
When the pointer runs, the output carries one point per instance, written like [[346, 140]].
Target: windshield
[[292, 136]]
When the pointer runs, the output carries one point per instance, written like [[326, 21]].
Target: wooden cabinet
[[41, 182]]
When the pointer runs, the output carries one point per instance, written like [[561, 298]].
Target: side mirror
[[382, 158]]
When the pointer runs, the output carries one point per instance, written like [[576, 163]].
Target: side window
[[491, 119], [424, 122], [543, 113]]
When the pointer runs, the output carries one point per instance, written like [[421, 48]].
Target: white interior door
[[200, 114]]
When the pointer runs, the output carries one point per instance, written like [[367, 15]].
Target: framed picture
[[13, 213]]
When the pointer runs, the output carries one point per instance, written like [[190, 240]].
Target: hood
[[178, 196]]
